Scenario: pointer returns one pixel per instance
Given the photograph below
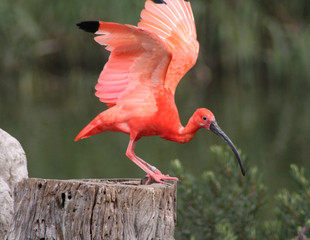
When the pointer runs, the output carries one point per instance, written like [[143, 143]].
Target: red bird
[[138, 82]]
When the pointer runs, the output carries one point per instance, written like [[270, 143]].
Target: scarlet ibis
[[139, 80]]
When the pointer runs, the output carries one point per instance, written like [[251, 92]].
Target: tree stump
[[93, 209]]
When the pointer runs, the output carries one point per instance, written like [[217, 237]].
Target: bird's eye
[[204, 118]]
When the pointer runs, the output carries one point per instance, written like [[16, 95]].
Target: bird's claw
[[159, 177]]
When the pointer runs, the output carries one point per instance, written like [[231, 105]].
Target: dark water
[[47, 120]]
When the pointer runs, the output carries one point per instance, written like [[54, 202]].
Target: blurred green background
[[252, 72]]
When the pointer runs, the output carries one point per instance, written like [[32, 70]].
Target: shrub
[[222, 204]]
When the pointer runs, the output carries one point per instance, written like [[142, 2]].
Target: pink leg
[[151, 171]]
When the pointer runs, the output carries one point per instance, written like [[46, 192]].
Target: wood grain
[[93, 209]]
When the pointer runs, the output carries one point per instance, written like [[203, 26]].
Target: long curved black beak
[[218, 131]]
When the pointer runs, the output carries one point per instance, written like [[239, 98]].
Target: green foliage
[[292, 213], [221, 204]]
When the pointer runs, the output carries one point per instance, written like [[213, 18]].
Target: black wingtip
[[159, 1], [89, 26]]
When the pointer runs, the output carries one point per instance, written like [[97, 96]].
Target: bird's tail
[[97, 125]]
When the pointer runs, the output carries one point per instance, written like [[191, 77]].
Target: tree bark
[[93, 209]]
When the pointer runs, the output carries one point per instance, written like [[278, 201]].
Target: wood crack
[[92, 213]]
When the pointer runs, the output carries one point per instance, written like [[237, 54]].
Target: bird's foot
[[157, 176]]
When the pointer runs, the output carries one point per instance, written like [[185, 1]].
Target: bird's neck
[[172, 128], [189, 131], [184, 134]]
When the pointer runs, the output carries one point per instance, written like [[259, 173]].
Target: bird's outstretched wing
[[136, 68], [173, 22], [156, 53]]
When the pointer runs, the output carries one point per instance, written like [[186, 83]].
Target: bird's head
[[204, 118]]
